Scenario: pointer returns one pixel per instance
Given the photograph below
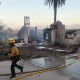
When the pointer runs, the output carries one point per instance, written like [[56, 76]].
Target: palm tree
[[55, 4]]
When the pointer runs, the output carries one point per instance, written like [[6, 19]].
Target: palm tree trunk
[[55, 14]]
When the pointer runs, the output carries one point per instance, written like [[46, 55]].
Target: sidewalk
[[49, 75]]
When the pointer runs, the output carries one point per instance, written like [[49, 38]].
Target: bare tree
[[2, 25]]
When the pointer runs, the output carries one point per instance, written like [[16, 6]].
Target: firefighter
[[14, 56]]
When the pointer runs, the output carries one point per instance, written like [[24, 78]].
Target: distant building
[[27, 34]]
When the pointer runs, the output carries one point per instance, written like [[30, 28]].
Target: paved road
[[50, 75], [71, 72]]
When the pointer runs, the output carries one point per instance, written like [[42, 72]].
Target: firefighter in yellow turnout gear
[[14, 56]]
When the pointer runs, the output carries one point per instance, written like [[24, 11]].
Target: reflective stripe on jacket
[[13, 51]]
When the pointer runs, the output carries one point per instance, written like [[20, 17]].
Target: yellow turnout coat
[[13, 52]]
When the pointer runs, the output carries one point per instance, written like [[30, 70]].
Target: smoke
[[1, 27]]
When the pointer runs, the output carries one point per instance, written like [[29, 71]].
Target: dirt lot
[[29, 51]]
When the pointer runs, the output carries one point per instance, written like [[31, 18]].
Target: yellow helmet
[[11, 40]]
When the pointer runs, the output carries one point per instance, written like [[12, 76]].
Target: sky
[[12, 13]]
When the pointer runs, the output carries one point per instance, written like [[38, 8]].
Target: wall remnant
[[58, 36]]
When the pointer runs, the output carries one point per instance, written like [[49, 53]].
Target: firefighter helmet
[[11, 40]]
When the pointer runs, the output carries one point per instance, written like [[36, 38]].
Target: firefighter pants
[[13, 65]]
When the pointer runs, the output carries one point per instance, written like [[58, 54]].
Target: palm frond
[[55, 3]]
